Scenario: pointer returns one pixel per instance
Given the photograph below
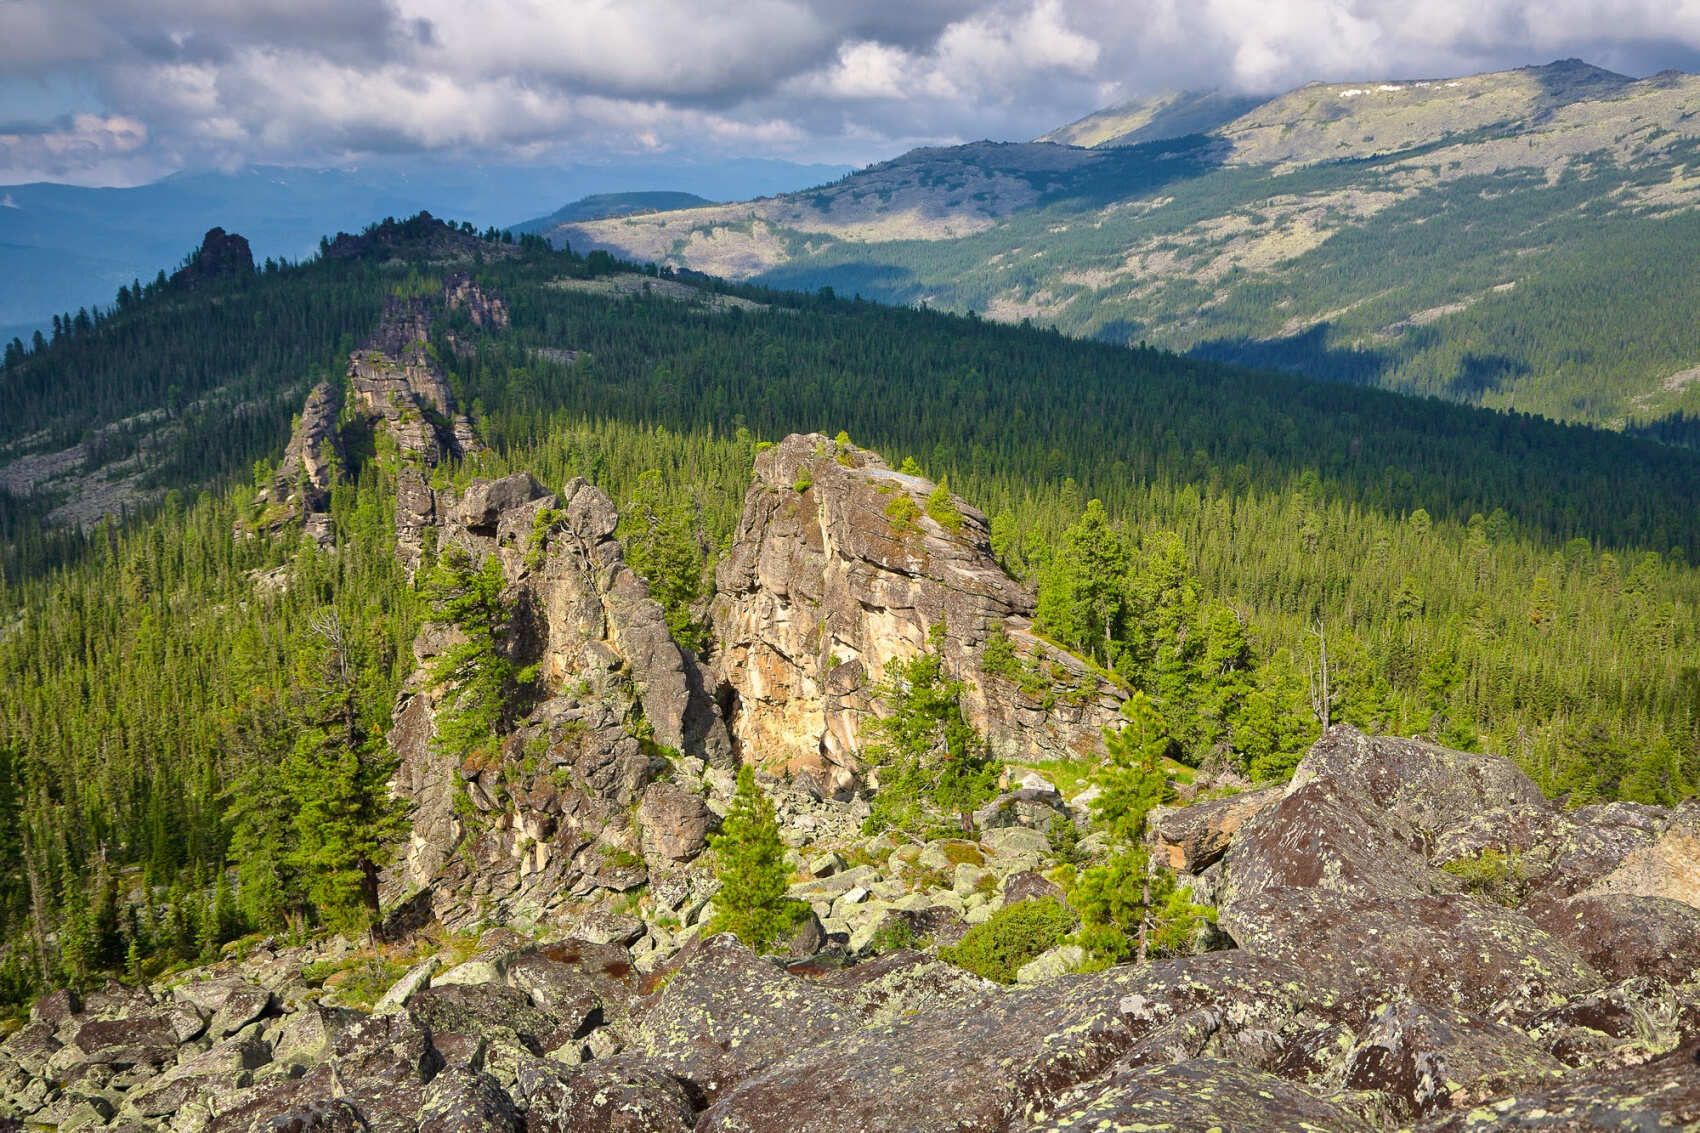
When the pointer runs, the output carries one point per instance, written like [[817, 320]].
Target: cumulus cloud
[[70, 146], [174, 83]]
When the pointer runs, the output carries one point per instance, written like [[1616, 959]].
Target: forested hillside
[[1200, 533], [1511, 240]]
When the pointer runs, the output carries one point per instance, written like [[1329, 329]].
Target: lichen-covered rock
[[1002, 1058], [1333, 874], [1625, 935], [1196, 1095], [1426, 1058], [214, 1075], [569, 996], [1427, 788], [459, 1100], [675, 822], [1661, 1094], [836, 571], [1622, 1025], [616, 1095], [904, 982], [725, 1012], [137, 1040], [490, 1011]]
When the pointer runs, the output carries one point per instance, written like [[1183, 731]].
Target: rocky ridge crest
[[554, 825], [396, 386]]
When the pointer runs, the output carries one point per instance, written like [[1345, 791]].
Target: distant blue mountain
[[63, 247]]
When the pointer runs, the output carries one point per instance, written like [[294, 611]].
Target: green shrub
[[893, 936], [941, 505], [963, 853], [804, 481], [1014, 935], [902, 511], [1123, 895], [1000, 658], [1064, 836], [1497, 876]]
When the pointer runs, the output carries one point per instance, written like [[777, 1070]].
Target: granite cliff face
[[553, 825], [836, 571]]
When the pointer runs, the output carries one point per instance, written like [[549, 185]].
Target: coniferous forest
[[189, 701]]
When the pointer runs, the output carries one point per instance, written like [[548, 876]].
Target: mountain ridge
[[1265, 240]]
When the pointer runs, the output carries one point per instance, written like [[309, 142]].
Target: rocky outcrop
[[837, 570], [397, 385], [487, 311], [418, 237], [301, 487], [394, 384], [572, 805], [1338, 871], [222, 255]]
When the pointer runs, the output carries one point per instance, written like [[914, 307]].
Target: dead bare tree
[[1321, 684]]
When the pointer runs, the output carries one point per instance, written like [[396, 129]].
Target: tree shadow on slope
[[1137, 171], [1308, 352]]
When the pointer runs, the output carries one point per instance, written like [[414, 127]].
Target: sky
[[119, 92]]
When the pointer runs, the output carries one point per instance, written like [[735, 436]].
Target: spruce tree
[[749, 861], [662, 546], [1083, 599], [481, 682], [1127, 904], [346, 823], [932, 765]]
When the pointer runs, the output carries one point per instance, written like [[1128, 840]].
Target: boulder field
[[1363, 986]]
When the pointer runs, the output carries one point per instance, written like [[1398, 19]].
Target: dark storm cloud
[[196, 82]]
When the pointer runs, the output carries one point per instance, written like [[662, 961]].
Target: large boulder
[[1624, 935], [1334, 873], [1425, 1059], [1193, 838], [617, 1095], [465, 1101], [726, 1012], [1660, 1094], [1198, 1094], [995, 1060], [675, 822], [138, 1040]]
